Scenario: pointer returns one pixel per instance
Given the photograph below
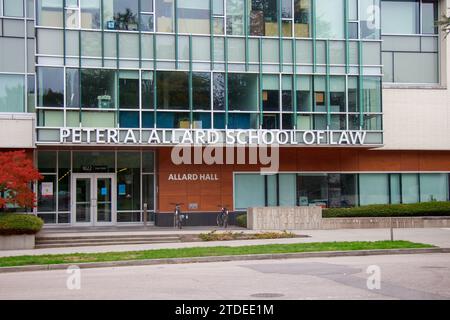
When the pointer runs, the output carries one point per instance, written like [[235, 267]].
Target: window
[[50, 87], [429, 16], [147, 16], [129, 89], [263, 18], [248, 191], [433, 187], [201, 86], [410, 188], [369, 19], [374, 189], [164, 15], [400, 16], [90, 14], [72, 88], [50, 13], [235, 17], [243, 92], [337, 94], [121, 14], [128, 181], [270, 94], [330, 19], [147, 90], [13, 8], [98, 88], [371, 94], [219, 91], [302, 18], [173, 90], [193, 16], [12, 93]]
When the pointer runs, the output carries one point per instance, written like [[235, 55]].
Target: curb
[[249, 257]]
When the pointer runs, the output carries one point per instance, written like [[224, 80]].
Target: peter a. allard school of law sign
[[115, 136]]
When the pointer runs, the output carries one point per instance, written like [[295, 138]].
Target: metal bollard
[[145, 218]]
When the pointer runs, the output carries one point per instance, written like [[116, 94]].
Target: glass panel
[[173, 90], [64, 165], [99, 119], [425, 67], [12, 93], [147, 90], [129, 89], [271, 93], [30, 95], [173, 120], [147, 5], [395, 188], [90, 14], [371, 94], [263, 18], [72, 88], [286, 93], [374, 189], [164, 15], [337, 94], [104, 200], [302, 18], [83, 200], [243, 121], [219, 91], [288, 190], [369, 19], [90, 44], [218, 8], [148, 192], [330, 19], [400, 17], [201, 86], [320, 103], [98, 88], [72, 18], [249, 191], [312, 189], [343, 190], [46, 195], [128, 180], [243, 92], [193, 16], [93, 162], [121, 14], [410, 188], [129, 119], [13, 8], [47, 161], [50, 13], [433, 187], [304, 94], [429, 16], [147, 22], [353, 92], [50, 87], [148, 162], [235, 17]]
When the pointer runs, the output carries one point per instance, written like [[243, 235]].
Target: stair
[[52, 241]]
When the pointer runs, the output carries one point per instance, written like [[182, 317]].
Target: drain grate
[[267, 295]]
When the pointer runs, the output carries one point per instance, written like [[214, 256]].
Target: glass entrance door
[[93, 199]]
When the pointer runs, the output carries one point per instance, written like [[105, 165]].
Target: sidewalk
[[437, 237]]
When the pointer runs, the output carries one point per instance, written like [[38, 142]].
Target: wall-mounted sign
[[47, 189], [94, 168], [193, 177], [210, 137]]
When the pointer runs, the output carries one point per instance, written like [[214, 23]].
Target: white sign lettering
[[210, 137]]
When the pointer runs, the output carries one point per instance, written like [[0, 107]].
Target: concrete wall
[[17, 130], [17, 242], [284, 218], [418, 118]]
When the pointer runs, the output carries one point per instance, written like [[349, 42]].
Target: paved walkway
[[437, 237]]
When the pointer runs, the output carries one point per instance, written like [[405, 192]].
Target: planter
[[17, 242]]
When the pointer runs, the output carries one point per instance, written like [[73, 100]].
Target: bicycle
[[222, 217], [178, 217]]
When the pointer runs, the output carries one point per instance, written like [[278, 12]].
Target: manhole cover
[[267, 295]]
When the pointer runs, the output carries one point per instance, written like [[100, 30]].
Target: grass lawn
[[205, 251]]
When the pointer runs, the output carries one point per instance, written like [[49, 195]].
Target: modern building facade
[[100, 91]]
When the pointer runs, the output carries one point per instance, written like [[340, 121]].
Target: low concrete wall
[[284, 218], [379, 223], [17, 242]]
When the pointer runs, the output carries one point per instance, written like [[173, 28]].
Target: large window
[[302, 18], [164, 15], [50, 13], [13, 8], [12, 93], [201, 86], [243, 92], [235, 17], [90, 14], [173, 90], [129, 89], [193, 16], [330, 19], [121, 14], [98, 88], [50, 87], [128, 185], [400, 17], [264, 18]]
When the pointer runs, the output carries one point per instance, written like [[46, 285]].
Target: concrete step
[[90, 244], [101, 237]]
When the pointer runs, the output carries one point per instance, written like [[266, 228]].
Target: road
[[425, 276]]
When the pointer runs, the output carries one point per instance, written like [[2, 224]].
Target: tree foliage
[[17, 172], [445, 24]]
